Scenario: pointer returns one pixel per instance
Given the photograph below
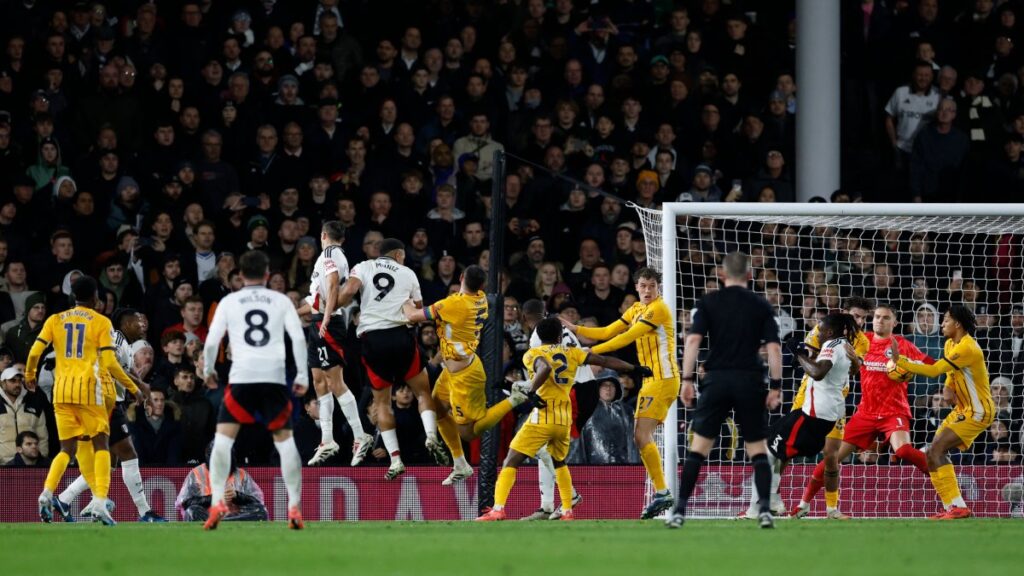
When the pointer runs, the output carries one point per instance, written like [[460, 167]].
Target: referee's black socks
[[688, 481], [762, 481]]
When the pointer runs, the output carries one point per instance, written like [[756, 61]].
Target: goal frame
[[671, 211]]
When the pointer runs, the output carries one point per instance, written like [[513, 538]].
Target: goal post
[[808, 259]]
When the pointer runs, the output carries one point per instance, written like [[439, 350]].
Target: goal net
[[807, 259]]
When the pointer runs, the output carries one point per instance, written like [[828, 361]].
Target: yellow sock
[[652, 462], [564, 481], [506, 480], [57, 467], [102, 473], [832, 499], [494, 415], [86, 463], [450, 434], [946, 485]]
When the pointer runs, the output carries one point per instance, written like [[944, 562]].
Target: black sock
[[688, 480], [762, 481]]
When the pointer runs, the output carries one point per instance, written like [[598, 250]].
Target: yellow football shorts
[[75, 420], [464, 391], [965, 427], [656, 398], [532, 437]]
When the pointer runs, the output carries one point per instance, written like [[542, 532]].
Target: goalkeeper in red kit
[[883, 412]]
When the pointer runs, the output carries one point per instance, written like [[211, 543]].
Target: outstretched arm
[[600, 334], [416, 314], [940, 367], [620, 366], [637, 330]]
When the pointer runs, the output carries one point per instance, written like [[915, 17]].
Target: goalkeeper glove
[[536, 400]]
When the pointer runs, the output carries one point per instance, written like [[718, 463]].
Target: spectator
[[142, 360], [928, 339], [197, 415], [19, 338], [29, 452], [605, 437], [939, 151], [242, 495], [20, 411], [602, 300], [156, 431], [173, 346], [191, 319], [908, 110]]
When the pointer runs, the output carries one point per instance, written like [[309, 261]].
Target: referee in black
[[738, 322]]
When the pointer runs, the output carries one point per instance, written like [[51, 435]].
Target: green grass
[[594, 548]]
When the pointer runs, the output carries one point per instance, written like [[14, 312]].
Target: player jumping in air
[[963, 363], [389, 350], [325, 355], [460, 390], [552, 369], [649, 324], [883, 411]]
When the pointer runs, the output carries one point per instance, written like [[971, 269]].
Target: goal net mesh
[[807, 266]]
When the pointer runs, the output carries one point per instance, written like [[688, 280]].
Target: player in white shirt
[[389, 349], [129, 328], [533, 313], [255, 320], [803, 432], [325, 355]]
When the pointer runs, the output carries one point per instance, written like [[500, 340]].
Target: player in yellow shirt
[[967, 384], [552, 369], [648, 323], [83, 343], [460, 390]]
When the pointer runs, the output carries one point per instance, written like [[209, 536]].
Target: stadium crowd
[[149, 144]]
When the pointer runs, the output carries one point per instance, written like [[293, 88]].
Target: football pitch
[[592, 548]]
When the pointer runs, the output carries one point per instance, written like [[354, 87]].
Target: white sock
[[74, 490], [133, 481], [498, 507], [959, 502], [350, 408], [291, 470], [220, 466], [326, 404], [546, 479], [429, 418], [461, 462], [391, 445]]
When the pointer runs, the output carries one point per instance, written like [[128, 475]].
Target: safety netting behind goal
[[808, 266]]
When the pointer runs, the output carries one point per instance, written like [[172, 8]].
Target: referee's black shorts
[[742, 391]]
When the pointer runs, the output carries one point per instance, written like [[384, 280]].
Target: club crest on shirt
[[888, 353]]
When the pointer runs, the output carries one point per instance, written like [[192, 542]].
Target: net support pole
[[817, 74], [493, 335], [669, 293]]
